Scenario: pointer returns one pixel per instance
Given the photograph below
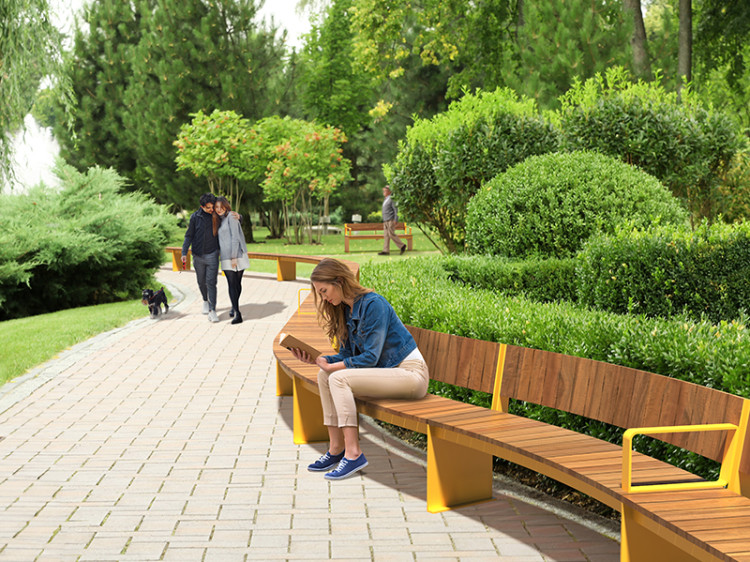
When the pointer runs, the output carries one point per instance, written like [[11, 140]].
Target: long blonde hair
[[332, 317]]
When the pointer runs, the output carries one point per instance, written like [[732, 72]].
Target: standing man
[[390, 218], [201, 235]]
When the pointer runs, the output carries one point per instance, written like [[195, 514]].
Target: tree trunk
[[685, 53], [639, 42]]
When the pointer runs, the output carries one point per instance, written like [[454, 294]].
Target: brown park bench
[[668, 514], [360, 230], [286, 264]]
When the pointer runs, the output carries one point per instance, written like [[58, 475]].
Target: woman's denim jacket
[[377, 337]]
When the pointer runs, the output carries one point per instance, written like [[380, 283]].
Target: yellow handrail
[[627, 457]]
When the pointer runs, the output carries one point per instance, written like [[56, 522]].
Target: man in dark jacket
[[201, 235]]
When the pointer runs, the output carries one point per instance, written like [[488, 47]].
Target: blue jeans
[[207, 271]]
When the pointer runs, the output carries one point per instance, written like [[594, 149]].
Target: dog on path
[[154, 301]]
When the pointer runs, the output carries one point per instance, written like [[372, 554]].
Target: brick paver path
[[165, 440]]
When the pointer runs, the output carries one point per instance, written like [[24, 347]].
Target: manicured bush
[[686, 146], [85, 244], [549, 205], [714, 355], [665, 271], [444, 160], [538, 280]]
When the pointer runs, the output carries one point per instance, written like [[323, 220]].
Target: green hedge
[[671, 137], [81, 245], [549, 205], [665, 271], [711, 355], [538, 280]]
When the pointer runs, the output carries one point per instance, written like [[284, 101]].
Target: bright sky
[[36, 150]]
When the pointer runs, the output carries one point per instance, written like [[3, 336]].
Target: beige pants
[[389, 233], [338, 389]]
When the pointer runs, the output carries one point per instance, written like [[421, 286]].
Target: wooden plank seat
[[286, 264], [360, 230], [658, 523]]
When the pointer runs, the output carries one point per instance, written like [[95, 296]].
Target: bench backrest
[[357, 226], [621, 396], [456, 360]]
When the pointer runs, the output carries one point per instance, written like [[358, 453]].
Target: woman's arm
[[373, 329]]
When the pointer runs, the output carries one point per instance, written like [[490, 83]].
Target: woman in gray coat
[[233, 250]]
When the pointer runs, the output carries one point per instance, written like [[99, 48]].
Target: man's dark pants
[[206, 272]]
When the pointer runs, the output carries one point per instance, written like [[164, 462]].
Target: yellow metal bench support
[[456, 475], [307, 415]]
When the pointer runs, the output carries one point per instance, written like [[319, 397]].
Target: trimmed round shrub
[[549, 205], [665, 271], [444, 160]]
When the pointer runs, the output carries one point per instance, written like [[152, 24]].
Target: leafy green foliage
[[677, 141], [335, 90], [714, 355], [85, 244], [560, 42], [549, 205], [666, 271], [30, 50], [444, 160], [216, 146], [308, 166]]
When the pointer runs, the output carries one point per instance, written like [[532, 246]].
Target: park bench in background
[[286, 264], [667, 513], [358, 230]]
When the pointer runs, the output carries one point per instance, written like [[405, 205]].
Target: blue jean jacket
[[377, 337]]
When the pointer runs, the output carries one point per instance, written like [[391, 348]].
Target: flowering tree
[[216, 146], [307, 168]]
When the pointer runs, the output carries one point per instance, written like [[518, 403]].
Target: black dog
[[154, 300]]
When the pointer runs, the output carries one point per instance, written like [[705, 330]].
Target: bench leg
[[456, 475], [284, 386], [308, 416], [346, 244], [641, 544], [409, 244], [286, 270]]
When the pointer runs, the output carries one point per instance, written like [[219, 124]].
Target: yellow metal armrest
[[299, 302], [730, 457]]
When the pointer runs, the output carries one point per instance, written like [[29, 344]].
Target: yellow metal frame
[[499, 402], [299, 302], [457, 475], [731, 457]]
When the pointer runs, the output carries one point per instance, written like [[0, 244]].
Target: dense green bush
[[538, 280], [549, 205], [444, 160], [665, 271], [671, 137], [84, 244], [713, 355]]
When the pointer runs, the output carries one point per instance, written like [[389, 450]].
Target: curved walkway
[[165, 440]]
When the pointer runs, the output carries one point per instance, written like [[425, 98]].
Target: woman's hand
[[234, 263], [302, 355]]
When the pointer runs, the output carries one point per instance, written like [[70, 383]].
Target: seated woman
[[377, 357]]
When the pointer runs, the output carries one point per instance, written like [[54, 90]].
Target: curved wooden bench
[[667, 513], [286, 264]]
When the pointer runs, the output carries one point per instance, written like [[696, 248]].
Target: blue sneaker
[[326, 462], [347, 467]]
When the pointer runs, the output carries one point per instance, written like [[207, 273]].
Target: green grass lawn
[[28, 342]]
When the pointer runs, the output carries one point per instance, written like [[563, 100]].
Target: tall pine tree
[[195, 55], [100, 71]]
